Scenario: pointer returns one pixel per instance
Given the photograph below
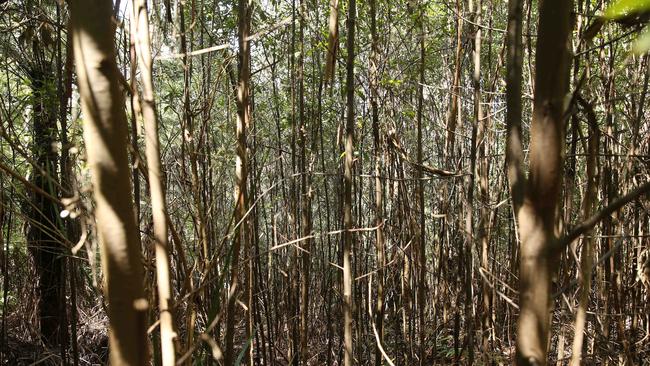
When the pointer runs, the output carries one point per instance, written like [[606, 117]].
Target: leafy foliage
[[623, 8]]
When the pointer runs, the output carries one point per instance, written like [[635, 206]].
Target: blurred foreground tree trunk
[[105, 134]]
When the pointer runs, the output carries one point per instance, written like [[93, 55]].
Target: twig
[[224, 46], [596, 218]]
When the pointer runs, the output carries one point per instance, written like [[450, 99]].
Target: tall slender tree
[[421, 234], [348, 222], [536, 207], [379, 185], [44, 234], [156, 184], [240, 237], [305, 195]]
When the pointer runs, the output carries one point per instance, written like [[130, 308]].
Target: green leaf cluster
[[631, 8], [622, 8]]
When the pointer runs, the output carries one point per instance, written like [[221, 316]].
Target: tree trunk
[[44, 235], [105, 133], [538, 213], [586, 259], [347, 190], [379, 186], [305, 199], [156, 185], [421, 234], [241, 174], [333, 40], [452, 113]]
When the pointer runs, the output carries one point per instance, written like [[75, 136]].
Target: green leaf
[[642, 44], [621, 8], [240, 358]]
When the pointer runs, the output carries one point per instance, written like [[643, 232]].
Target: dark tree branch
[[426, 169], [596, 218]]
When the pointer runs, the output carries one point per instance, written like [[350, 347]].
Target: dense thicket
[[301, 182]]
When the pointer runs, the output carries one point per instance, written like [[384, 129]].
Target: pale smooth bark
[[156, 184], [332, 41], [105, 134]]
